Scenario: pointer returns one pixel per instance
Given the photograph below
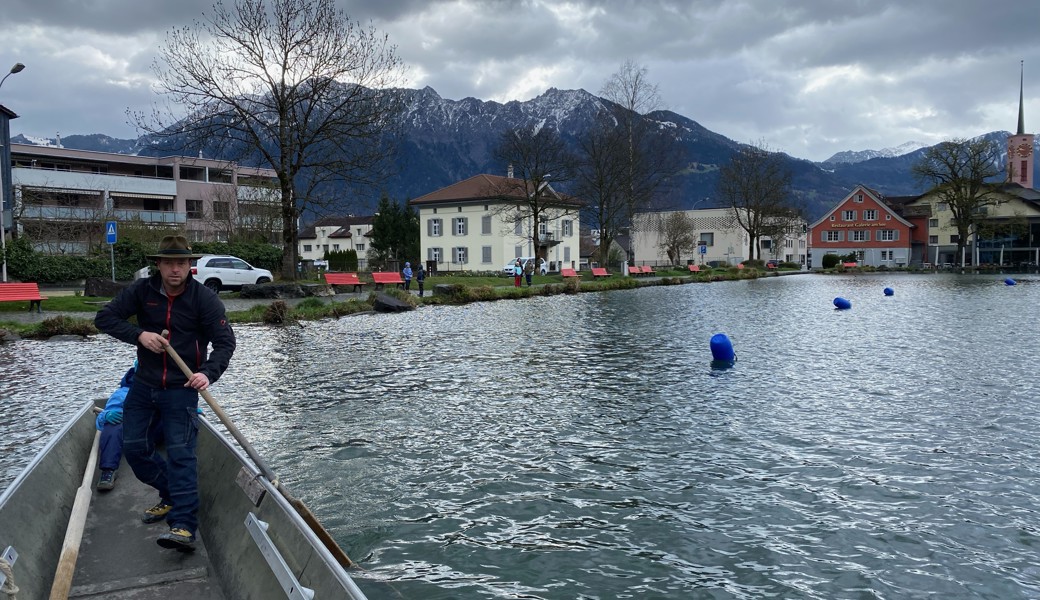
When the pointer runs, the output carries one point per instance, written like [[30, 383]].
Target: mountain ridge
[[444, 141]]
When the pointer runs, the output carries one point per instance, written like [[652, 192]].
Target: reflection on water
[[582, 447]]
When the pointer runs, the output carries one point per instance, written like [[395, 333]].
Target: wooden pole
[[74, 534], [311, 520]]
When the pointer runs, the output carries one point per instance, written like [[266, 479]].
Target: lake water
[[582, 447]]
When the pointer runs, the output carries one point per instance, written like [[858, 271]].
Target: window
[[858, 198], [567, 227], [940, 207], [848, 215], [324, 247], [1022, 171], [767, 244], [933, 239], [459, 225], [518, 251], [933, 222], [221, 210], [518, 228], [359, 231], [196, 235], [435, 254], [433, 227], [955, 238], [485, 254], [460, 255], [707, 238], [360, 247], [789, 244], [860, 235], [192, 173], [832, 217], [193, 208], [335, 247], [870, 215], [460, 209], [306, 247], [887, 254], [832, 236], [485, 225], [887, 235]]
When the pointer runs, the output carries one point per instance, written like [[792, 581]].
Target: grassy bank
[[456, 289]]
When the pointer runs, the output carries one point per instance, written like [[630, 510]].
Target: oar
[[308, 516], [74, 533]]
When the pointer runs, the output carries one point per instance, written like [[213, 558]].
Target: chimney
[[509, 171], [57, 139]]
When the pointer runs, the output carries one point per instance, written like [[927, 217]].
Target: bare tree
[[756, 184], [962, 174], [537, 156], [676, 235], [627, 159], [291, 84]]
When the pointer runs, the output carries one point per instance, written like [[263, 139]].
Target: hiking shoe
[[177, 539], [107, 480], [156, 513]]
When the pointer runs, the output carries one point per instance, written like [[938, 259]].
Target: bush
[[279, 313], [830, 261]]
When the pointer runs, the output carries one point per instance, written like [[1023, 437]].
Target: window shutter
[[465, 225], [429, 227]]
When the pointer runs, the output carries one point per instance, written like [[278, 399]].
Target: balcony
[[72, 213], [72, 180]]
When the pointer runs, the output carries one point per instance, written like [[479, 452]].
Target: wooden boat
[[253, 543]]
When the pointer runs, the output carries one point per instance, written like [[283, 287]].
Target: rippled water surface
[[582, 447]]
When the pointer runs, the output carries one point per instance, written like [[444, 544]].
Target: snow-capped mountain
[[854, 156]]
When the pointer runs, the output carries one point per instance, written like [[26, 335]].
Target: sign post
[[110, 237]]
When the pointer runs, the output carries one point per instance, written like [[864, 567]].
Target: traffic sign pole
[[110, 237]]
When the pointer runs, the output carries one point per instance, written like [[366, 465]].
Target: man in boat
[[195, 318], [110, 424]]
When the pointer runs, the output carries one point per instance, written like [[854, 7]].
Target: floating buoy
[[842, 304], [1010, 281], [889, 291], [722, 353]]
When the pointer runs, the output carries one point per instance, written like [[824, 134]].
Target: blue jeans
[[176, 476], [110, 447]]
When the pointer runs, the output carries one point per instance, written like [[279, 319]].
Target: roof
[[874, 194], [342, 225], [482, 188]]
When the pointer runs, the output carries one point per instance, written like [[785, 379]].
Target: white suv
[[542, 268], [227, 272]]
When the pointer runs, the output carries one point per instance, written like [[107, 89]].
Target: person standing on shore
[[518, 272], [420, 278], [407, 273], [194, 316]]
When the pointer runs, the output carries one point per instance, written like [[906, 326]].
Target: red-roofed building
[[480, 223], [862, 223]]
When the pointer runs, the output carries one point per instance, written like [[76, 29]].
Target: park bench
[[568, 273], [648, 270], [849, 265], [694, 268], [14, 292], [599, 272], [381, 278], [335, 279], [635, 270]]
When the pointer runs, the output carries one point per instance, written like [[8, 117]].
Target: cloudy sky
[[809, 77]]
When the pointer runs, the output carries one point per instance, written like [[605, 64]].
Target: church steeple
[[1021, 98], [1020, 145]]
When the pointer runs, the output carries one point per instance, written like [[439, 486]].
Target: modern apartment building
[[63, 197]]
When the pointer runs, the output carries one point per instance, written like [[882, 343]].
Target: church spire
[[1021, 108]]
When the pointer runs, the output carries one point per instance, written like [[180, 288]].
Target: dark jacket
[[194, 319]]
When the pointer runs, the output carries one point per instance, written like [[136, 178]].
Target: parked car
[[542, 267], [227, 272]]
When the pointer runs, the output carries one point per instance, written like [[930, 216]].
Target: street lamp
[[17, 68]]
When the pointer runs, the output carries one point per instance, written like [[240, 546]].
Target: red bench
[[335, 279], [600, 272], [381, 278], [568, 273], [648, 270], [849, 265], [635, 270], [694, 268], [14, 292]]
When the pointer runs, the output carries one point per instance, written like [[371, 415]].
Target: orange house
[[862, 224]]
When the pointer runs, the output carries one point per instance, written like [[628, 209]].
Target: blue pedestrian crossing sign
[[110, 232]]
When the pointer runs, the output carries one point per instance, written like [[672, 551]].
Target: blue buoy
[[842, 304], [722, 353], [1010, 281], [889, 291]]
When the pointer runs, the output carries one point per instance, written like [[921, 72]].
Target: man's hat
[[174, 246]]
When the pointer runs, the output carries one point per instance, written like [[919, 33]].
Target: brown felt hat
[[174, 246]]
